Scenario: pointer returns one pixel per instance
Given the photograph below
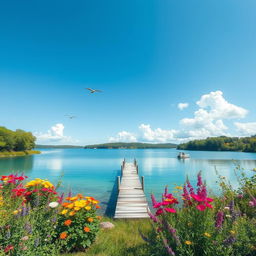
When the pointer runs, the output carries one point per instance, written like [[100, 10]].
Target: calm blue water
[[94, 171]]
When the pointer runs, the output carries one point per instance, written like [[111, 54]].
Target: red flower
[[8, 248]]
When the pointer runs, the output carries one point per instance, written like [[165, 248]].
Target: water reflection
[[16, 165]]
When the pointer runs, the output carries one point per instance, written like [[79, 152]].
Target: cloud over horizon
[[55, 134], [207, 121]]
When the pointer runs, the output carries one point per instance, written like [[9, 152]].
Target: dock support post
[[118, 183], [142, 182], [137, 169]]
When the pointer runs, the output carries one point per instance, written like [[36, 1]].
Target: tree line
[[18, 140], [222, 143]]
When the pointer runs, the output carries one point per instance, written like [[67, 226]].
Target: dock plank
[[131, 201]]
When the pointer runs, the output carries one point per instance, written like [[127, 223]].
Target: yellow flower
[[77, 208], [232, 232], [190, 224], [74, 198], [64, 212], [207, 234], [179, 187], [188, 242], [72, 213], [88, 208], [70, 206], [15, 212]]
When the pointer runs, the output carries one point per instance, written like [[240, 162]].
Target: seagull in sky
[[93, 90], [70, 116]]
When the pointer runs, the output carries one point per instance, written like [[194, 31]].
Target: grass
[[124, 239], [18, 153]]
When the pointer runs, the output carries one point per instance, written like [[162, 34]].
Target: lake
[[93, 171]]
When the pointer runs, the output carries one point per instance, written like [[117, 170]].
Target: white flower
[[228, 216], [53, 204], [226, 208]]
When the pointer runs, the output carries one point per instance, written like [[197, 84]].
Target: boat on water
[[182, 155]]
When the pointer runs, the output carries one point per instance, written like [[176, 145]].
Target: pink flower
[[201, 207], [172, 210], [159, 211]]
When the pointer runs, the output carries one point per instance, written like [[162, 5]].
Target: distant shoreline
[[132, 145], [18, 153]]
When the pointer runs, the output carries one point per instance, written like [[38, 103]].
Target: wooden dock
[[131, 201]]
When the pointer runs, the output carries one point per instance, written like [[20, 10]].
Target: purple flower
[[252, 203], [154, 202], [229, 241], [219, 219], [153, 217], [28, 228], [191, 189], [168, 248], [199, 180]]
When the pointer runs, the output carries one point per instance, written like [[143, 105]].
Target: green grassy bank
[[124, 239], [18, 153]]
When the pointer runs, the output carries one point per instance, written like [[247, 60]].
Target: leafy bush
[[78, 223], [31, 222], [201, 225]]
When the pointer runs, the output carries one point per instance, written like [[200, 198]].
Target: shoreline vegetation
[[16, 143], [132, 145], [222, 143], [18, 153]]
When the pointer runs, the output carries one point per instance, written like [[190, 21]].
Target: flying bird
[[93, 90], [70, 116]]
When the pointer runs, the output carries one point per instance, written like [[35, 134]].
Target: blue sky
[[146, 56]]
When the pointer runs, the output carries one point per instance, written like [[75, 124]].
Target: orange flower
[[67, 222], [90, 220], [72, 213], [99, 217], [97, 206], [80, 196], [87, 229], [65, 204], [63, 235]]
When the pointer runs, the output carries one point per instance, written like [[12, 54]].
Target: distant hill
[[132, 145], [58, 146]]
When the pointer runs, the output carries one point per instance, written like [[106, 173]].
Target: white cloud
[[157, 135], [208, 121], [246, 129], [182, 106], [55, 134], [219, 108], [123, 137]]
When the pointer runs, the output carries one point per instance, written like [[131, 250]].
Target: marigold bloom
[[87, 229], [67, 222], [188, 242], [63, 235], [64, 212], [99, 217], [77, 208], [97, 207], [72, 213], [65, 204], [15, 212], [88, 208], [90, 219], [207, 234]]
